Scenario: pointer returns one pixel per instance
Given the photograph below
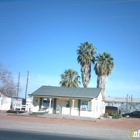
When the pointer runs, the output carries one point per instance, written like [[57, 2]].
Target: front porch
[[64, 106], [86, 102]]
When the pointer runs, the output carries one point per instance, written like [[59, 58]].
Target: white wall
[[5, 102], [61, 102], [66, 110], [74, 111], [36, 102], [98, 107]]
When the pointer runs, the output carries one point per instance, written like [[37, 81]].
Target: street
[[27, 127]]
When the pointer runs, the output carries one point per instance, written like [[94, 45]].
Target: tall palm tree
[[86, 56], [70, 78], [103, 69]]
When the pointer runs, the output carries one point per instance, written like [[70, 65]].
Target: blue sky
[[43, 36]]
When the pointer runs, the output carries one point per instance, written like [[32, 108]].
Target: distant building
[[127, 104]]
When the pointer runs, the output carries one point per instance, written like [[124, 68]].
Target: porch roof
[[53, 91]]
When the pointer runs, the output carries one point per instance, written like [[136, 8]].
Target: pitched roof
[[67, 92]]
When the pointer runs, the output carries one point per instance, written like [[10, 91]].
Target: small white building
[[86, 102], [5, 102]]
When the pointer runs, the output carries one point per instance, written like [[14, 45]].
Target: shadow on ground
[[24, 135], [16, 111]]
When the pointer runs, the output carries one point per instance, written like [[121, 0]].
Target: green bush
[[114, 115]]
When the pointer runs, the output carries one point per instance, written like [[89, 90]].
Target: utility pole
[[18, 85], [127, 103], [131, 102], [26, 85]]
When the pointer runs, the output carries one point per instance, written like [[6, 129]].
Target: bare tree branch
[[7, 85]]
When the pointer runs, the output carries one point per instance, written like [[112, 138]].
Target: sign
[[134, 134]]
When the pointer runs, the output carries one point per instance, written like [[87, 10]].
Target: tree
[[103, 68], [70, 78], [86, 56], [7, 85]]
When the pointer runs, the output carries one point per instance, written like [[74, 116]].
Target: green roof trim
[[68, 92]]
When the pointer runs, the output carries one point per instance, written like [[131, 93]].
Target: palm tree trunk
[[101, 83], [86, 74]]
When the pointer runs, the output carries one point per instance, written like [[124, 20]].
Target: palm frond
[[86, 53], [104, 65], [70, 78]]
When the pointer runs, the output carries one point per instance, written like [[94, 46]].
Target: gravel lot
[[106, 129]]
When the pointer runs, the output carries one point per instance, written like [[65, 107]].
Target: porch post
[[40, 103], [73, 103], [79, 105], [50, 103]]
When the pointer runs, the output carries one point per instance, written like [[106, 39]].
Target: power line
[[70, 5]]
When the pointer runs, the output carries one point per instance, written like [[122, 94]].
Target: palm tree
[[103, 69], [70, 78], [86, 56]]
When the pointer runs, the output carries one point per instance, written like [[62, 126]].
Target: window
[[135, 112], [67, 103], [46, 103], [86, 105]]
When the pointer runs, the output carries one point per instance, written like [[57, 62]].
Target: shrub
[[114, 115]]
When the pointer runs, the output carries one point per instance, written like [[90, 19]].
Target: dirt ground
[[123, 123]]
